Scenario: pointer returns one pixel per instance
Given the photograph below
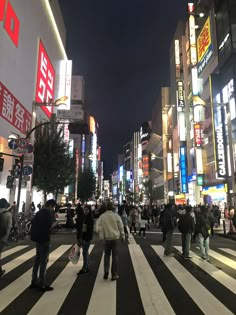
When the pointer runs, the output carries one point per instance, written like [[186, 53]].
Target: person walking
[[5, 227], [167, 229], [142, 226], [42, 225], [203, 230], [111, 229], [84, 236], [186, 227]]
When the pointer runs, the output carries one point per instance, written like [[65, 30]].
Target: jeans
[[40, 263], [204, 246], [186, 241], [168, 242], [85, 247], [111, 247]]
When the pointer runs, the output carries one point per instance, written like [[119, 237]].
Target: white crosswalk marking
[[200, 295], [229, 251], [18, 286], [19, 260], [13, 250], [225, 260], [153, 298], [214, 272], [103, 291], [51, 303]]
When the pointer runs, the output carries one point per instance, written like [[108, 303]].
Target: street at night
[[149, 282]]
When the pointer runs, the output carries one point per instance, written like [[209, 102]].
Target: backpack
[[2, 225], [181, 225]]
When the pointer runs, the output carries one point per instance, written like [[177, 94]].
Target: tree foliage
[[86, 184], [53, 167]]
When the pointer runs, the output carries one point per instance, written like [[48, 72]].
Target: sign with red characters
[[10, 21], [45, 80], [198, 135], [13, 111]]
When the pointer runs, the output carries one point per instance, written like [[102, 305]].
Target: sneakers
[[2, 273], [187, 257], [105, 277], [82, 272], [115, 277]]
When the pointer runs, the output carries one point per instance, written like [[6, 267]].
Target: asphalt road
[[149, 282]]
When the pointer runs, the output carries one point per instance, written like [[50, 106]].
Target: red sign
[[11, 23], [197, 135], [13, 111], [45, 80]]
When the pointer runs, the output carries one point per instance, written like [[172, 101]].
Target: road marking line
[[19, 260], [214, 272], [14, 289], [131, 239], [13, 250], [153, 298], [103, 298], [199, 294], [51, 303], [229, 251]]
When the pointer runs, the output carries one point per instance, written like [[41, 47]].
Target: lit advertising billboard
[[180, 94], [13, 111], [221, 145], [183, 169], [204, 46], [197, 135], [45, 80]]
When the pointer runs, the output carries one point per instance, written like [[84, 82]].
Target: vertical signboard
[[13, 111], [180, 94], [183, 169], [197, 135], [45, 80]]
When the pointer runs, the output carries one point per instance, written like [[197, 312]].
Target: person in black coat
[[186, 227], [41, 228], [85, 235]]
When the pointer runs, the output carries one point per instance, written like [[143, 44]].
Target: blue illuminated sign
[[183, 169]]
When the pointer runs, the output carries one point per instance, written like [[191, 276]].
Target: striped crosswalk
[[158, 284]]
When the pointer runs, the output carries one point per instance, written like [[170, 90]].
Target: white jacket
[[110, 226]]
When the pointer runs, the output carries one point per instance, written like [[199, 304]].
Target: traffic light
[[10, 180], [17, 168], [1, 164], [80, 128]]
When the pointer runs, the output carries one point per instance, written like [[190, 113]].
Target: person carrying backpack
[[5, 227]]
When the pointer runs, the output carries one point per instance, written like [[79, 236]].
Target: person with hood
[[111, 229], [5, 227], [84, 236], [203, 229]]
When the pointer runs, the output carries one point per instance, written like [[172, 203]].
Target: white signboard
[[70, 114]]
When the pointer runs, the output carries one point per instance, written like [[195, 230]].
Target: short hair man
[[111, 229], [5, 227], [42, 225]]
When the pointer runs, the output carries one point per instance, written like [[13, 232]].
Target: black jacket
[[41, 226], [186, 223], [85, 227]]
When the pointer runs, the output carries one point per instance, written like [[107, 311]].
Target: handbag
[[74, 254]]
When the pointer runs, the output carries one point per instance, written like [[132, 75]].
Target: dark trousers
[[85, 247], [142, 230], [40, 263], [111, 248]]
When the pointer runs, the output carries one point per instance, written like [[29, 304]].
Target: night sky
[[121, 47]]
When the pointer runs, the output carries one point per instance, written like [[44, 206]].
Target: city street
[[149, 282]]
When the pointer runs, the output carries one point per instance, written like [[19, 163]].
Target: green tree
[[53, 167], [86, 184]]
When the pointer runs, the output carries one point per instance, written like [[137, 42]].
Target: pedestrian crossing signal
[[10, 180]]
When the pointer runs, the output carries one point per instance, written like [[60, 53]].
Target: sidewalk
[[224, 230]]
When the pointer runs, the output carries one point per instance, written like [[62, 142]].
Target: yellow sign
[[204, 40]]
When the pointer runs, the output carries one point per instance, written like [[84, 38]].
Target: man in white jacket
[[111, 229]]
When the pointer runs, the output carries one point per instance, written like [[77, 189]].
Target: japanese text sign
[[13, 111], [204, 46], [45, 80]]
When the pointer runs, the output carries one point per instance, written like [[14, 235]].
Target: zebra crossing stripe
[[131, 239], [14, 289], [51, 303], [220, 276], [199, 294], [153, 298], [103, 298], [229, 251], [225, 260], [19, 260], [13, 250]]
